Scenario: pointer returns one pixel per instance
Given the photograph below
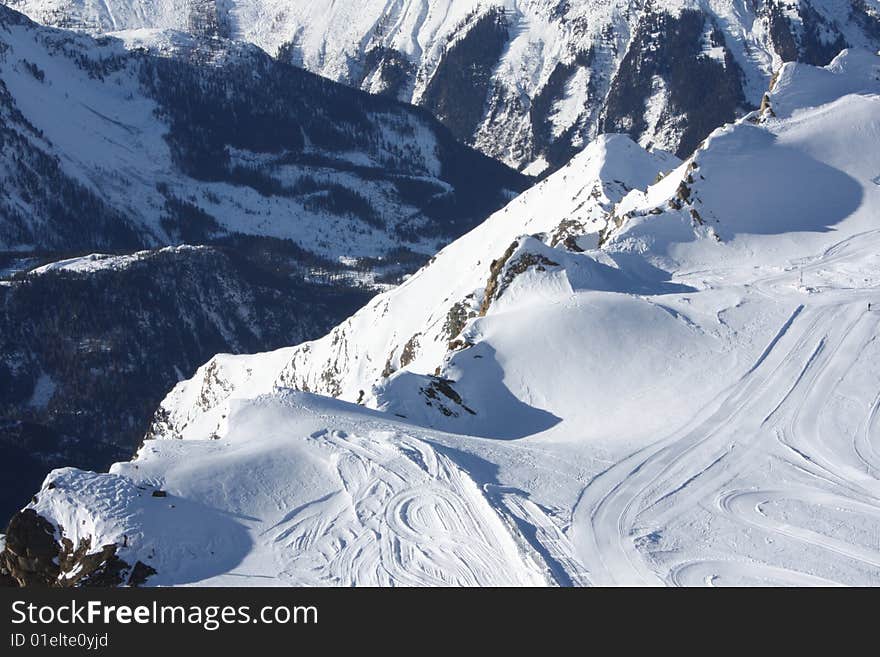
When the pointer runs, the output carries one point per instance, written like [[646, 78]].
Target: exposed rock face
[[410, 349], [505, 269], [493, 283], [31, 550], [440, 394], [522, 264], [34, 555], [457, 318]]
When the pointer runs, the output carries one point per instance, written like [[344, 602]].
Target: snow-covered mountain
[[219, 139], [529, 82], [308, 194], [641, 371]]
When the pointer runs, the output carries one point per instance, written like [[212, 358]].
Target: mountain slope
[[217, 139], [431, 316], [681, 389], [307, 194], [529, 82]]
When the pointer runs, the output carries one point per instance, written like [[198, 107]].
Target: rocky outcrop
[[457, 318], [410, 350], [492, 284], [505, 269], [440, 394], [520, 265], [567, 234], [38, 554], [31, 554]]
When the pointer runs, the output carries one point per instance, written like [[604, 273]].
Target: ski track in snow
[[777, 408], [406, 515]]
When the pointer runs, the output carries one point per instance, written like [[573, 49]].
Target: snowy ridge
[[683, 393], [98, 261], [809, 137], [399, 331]]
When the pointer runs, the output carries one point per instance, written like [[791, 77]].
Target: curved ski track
[[768, 425], [405, 516]]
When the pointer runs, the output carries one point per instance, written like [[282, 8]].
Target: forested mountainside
[[90, 345]]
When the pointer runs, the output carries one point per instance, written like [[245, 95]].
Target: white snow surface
[[356, 501], [684, 393], [100, 261]]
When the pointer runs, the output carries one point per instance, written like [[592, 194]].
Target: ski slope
[[784, 456], [334, 497], [641, 372]]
